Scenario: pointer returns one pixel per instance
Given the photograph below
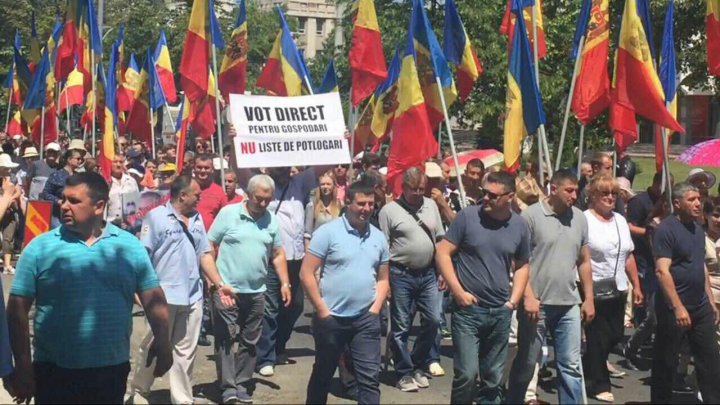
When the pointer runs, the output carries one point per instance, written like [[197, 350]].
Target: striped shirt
[[83, 295]]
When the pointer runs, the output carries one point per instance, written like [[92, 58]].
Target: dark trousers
[[604, 332], [101, 385], [239, 323], [703, 347], [279, 321], [645, 329], [362, 335]]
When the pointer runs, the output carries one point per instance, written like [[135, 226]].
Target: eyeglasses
[[609, 193], [342, 166], [492, 196]]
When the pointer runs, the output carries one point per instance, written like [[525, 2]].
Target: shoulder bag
[[606, 288]]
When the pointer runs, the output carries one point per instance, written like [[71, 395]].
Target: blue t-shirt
[[351, 262], [83, 295], [684, 244], [246, 246], [176, 259], [486, 249]]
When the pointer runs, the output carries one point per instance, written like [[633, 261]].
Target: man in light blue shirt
[[174, 236], [352, 256], [248, 238]]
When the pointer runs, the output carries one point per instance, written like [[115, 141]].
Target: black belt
[[408, 269]]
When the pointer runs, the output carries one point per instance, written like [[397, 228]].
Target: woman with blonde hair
[[613, 268], [324, 206]]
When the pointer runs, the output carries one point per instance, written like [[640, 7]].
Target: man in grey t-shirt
[[487, 241], [559, 237]]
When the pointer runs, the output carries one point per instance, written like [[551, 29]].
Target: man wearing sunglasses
[[491, 243]]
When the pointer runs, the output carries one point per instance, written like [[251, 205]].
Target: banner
[[137, 204], [37, 219], [289, 131]]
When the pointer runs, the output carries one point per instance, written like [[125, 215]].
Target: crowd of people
[[516, 260]]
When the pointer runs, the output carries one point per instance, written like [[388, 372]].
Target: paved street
[[290, 381]]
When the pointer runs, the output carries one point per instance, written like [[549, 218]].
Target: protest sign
[[37, 220], [136, 205], [289, 131]]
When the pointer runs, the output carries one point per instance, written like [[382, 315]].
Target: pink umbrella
[[703, 154], [489, 157]]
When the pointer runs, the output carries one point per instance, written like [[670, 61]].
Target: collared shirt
[[176, 259], [212, 200], [83, 295], [246, 246], [118, 187], [410, 245], [291, 215], [351, 261], [54, 187], [556, 241]]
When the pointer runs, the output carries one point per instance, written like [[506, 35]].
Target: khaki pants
[[185, 323]]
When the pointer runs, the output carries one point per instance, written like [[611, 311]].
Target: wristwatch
[[512, 304], [286, 285], [220, 284]]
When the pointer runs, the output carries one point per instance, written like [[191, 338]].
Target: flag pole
[[94, 92], [614, 170], [152, 129], [580, 150], [67, 111], [666, 164], [217, 113], [7, 116], [439, 155], [351, 126], [42, 132], [558, 159], [167, 109], [463, 202], [541, 134], [57, 106]]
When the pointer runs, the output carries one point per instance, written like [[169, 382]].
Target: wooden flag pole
[[558, 159], [542, 136], [7, 116], [463, 201], [218, 117], [580, 149], [42, 132]]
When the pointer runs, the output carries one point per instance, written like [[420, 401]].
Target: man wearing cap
[[120, 183], [40, 170], [29, 156], [167, 173], [701, 179]]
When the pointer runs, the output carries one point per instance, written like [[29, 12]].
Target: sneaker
[[282, 358], [9, 270], [436, 370], [446, 334], [631, 360], [267, 371], [420, 380], [232, 399], [407, 384], [203, 341], [244, 398]]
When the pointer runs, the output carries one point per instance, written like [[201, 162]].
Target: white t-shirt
[[603, 244]]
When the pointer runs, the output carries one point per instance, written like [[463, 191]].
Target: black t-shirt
[[638, 210], [685, 245]]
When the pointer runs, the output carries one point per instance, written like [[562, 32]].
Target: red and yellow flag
[[130, 84], [367, 62], [37, 220], [202, 32], [712, 22], [16, 126], [232, 76], [164, 69], [72, 94], [508, 25], [65, 59], [203, 115], [181, 128]]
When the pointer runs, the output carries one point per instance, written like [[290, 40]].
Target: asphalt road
[[289, 384]]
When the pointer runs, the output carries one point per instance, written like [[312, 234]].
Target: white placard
[[289, 131]]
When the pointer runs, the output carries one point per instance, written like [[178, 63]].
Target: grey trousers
[[239, 323]]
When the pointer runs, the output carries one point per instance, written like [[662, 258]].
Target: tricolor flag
[[459, 51], [203, 31], [107, 149], [16, 126], [72, 93], [37, 220], [668, 78], [367, 62], [54, 40], [329, 83], [23, 77], [203, 112], [508, 24], [712, 24], [413, 141], [89, 40], [592, 84], [35, 53], [164, 68], [65, 62], [41, 95], [149, 96], [431, 64], [284, 73], [523, 105], [636, 83], [130, 85], [233, 70], [181, 127], [95, 107]]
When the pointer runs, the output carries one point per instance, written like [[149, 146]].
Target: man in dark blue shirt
[[683, 308]]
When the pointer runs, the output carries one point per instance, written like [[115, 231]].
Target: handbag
[[606, 288]]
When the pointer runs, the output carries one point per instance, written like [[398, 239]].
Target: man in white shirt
[[120, 183]]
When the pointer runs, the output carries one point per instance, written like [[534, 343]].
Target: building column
[[310, 35]]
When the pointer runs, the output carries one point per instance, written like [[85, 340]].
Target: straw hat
[[30, 152], [6, 161], [433, 170], [77, 144], [167, 167]]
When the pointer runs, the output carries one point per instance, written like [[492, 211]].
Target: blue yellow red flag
[[164, 68], [130, 84], [181, 128], [459, 51], [107, 149], [35, 53], [203, 30], [329, 83], [668, 78], [366, 58], [233, 69]]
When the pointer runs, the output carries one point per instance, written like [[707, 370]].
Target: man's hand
[[442, 284], [716, 313], [226, 294], [232, 133], [638, 297], [588, 310], [682, 317], [286, 295], [323, 313], [438, 196], [22, 382], [531, 305], [465, 299], [164, 358]]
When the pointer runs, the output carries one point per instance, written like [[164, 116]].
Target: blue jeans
[[563, 323], [480, 336], [442, 303], [333, 335], [410, 287]]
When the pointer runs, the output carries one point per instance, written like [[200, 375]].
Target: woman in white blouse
[[611, 256]]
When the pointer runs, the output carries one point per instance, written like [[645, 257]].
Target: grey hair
[[412, 175], [262, 181], [679, 190]]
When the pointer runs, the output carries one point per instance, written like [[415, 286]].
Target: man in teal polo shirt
[[248, 238], [82, 277]]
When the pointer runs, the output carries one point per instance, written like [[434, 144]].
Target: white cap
[[53, 146], [217, 161]]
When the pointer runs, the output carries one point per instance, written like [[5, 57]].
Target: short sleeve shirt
[[246, 246], [83, 295], [556, 241], [610, 245], [486, 249], [351, 261], [212, 200], [684, 244], [291, 215], [175, 257], [638, 211]]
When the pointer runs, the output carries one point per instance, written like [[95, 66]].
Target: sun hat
[[53, 146], [77, 144], [6, 161], [30, 152], [624, 184], [697, 172]]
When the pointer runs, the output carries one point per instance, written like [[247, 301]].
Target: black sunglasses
[[492, 196]]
